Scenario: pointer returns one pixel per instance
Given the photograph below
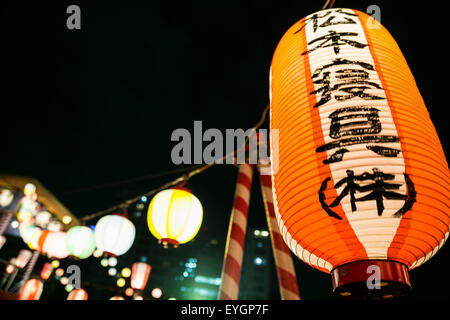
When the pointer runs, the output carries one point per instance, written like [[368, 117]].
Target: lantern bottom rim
[[371, 279], [167, 242]]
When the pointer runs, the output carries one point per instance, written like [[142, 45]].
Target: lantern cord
[[184, 178], [328, 4]]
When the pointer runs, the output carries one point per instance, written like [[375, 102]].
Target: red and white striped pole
[[287, 279], [234, 249]]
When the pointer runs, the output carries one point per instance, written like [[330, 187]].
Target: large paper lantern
[[55, 245], [174, 216], [80, 242], [77, 294], [114, 234], [139, 275], [31, 290], [360, 180]]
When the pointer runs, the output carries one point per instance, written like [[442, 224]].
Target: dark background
[[85, 110]]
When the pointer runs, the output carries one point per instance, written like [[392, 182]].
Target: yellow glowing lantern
[[120, 282], [67, 219], [55, 263], [126, 272], [174, 216]]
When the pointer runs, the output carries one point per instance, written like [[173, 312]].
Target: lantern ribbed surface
[[358, 169], [175, 214], [114, 234], [80, 242], [140, 271], [31, 290], [55, 245]]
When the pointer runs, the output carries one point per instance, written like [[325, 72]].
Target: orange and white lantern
[[360, 180], [77, 294], [31, 290], [139, 275], [116, 298]]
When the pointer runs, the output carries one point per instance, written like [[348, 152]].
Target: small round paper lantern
[[59, 272], [54, 226], [68, 288], [112, 261], [46, 271], [104, 262], [120, 282], [42, 219], [97, 253], [112, 272], [80, 242], [55, 263], [11, 266], [31, 290], [139, 275], [138, 298], [126, 272], [55, 245], [114, 234], [27, 209], [29, 189], [174, 216], [64, 281], [116, 298], [77, 294], [360, 181], [156, 293], [129, 292], [6, 197]]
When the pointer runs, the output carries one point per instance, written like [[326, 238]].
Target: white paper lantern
[[6, 197], [114, 234]]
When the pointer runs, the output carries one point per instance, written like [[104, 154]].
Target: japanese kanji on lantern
[[361, 186]]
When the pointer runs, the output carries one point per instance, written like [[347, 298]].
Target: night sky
[[85, 111]]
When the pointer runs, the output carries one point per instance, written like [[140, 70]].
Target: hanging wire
[[328, 4], [184, 178], [122, 182]]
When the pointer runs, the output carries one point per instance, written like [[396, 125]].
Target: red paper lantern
[[77, 294], [46, 270], [139, 275], [31, 290]]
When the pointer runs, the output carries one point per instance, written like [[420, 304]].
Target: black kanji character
[[335, 39], [316, 16]]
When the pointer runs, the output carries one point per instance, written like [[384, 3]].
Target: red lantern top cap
[[182, 188]]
